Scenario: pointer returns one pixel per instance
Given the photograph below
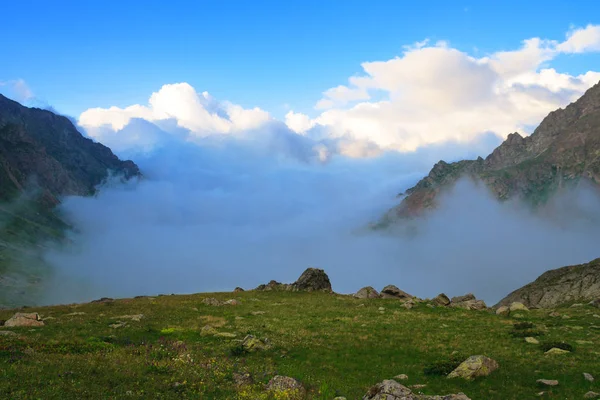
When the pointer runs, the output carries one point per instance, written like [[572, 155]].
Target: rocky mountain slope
[[559, 286], [42, 157], [43, 150], [562, 151]]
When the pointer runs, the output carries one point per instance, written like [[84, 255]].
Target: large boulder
[[281, 386], [558, 286], [252, 344], [313, 279], [471, 304], [466, 297], [392, 292], [392, 390], [503, 310], [441, 300], [474, 367], [24, 319], [367, 293], [516, 306]]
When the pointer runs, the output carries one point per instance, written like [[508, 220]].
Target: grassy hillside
[[335, 345]]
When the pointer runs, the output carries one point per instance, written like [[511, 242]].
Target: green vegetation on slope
[[335, 345]]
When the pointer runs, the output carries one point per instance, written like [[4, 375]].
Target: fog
[[216, 214]]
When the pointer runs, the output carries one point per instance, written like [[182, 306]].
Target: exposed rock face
[[392, 390], [392, 292], [367, 293], [312, 279], [38, 144], [559, 286], [24, 319], [474, 367], [561, 152]]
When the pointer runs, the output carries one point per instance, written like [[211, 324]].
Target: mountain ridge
[[562, 150]]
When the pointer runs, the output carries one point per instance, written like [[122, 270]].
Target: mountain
[[41, 149], [562, 151], [42, 158], [559, 286]]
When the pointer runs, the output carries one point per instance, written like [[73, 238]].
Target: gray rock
[[591, 395], [517, 306], [211, 301], [441, 299], [313, 279], [244, 379], [588, 377], [503, 310], [401, 377], [286, 385], [460, 299], [252, 344], [595, 303], [391, 291], [392, 390], [559, 286], [24, 319], [367, 293], [547, 382], [473, 367]]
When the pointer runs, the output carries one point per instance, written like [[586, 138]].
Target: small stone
[[285, 385], [74, 313], [554, 314], [381, 308], [516, 306], [503, 311], [208, 330], [7, 333], [242, 379], [576, 305], [588, 377], [565, 316], [532, 340], [211, 301], [591, 395], [118, 325], [584, 342], [225, 335], [232, 302], [252, 344], [556, 351], [257, 312], [401, 377], [418, 386], [547, 382], [136, 317]]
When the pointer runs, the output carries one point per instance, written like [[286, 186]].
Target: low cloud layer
[[215, 216]]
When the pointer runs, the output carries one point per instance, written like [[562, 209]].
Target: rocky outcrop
[[560, 153], [468, 302], [558, 286], [312, 279], [392, 292], [391, 390]]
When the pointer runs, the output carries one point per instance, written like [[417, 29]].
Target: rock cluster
[[391, 390], [24, 319], [312, 279]]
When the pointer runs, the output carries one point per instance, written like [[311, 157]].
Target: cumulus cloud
[[434, 93], [201, 114]]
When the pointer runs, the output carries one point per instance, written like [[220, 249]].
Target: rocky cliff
[[558, 286], [563, 150], [42, 150]]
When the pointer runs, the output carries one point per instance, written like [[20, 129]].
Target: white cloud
[[432, 94], [582, 40], [298, 122], [201, 114]]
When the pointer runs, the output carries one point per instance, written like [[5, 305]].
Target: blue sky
[[77, 55]]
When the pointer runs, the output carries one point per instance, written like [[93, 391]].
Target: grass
[[334, 346]]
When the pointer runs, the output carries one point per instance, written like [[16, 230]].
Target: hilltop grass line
[[331, 343]]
